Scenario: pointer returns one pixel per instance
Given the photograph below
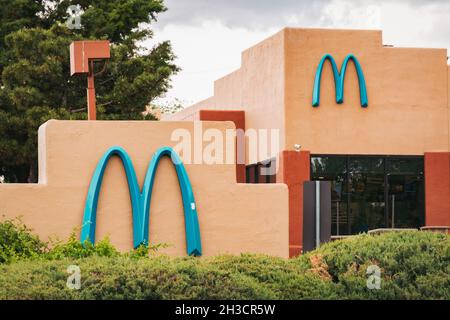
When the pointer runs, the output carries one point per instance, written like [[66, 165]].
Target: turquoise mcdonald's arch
[[339, 79], [140, 200]]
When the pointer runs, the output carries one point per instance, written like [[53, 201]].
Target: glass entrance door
[[371, 192], [405, 201], [366, 193]]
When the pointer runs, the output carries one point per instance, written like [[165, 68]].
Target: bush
[[74, 249], [17, 242], [159, 277], [413, 264]]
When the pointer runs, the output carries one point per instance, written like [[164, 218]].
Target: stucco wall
[[263, 86], [256, 88], [408, 110], [408, 89], [233, 217], [448, 105]]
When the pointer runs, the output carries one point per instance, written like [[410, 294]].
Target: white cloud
[[248, 14], [345, 14], [205, 53], [407, 25]]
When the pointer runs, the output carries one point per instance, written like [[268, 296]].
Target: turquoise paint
[[141, 200], [339, 79]]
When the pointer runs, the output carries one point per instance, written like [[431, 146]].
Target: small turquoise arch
[[192, 229], [90, 209], [141, 201], [339, 79], [318, 78]]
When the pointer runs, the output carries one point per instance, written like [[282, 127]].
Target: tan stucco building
[[380, 136], [389, 161]]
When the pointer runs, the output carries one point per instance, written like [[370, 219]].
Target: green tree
[[35, 82]]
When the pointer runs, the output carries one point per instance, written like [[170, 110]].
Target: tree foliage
[[35, 82]]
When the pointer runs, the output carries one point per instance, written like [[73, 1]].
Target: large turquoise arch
[[339, 79], [141, 199]]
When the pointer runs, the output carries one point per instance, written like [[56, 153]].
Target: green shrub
[[414, 265], [158, 277], [74, 249], [17, 242]]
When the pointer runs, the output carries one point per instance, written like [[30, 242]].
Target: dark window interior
[[370, 192], [255, 173]]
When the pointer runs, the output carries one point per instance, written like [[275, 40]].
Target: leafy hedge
[[17, 242], [414, 265]]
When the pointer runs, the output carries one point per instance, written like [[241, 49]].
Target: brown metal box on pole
[[82, 57]]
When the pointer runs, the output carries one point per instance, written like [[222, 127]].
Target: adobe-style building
[[372, 120], [381, 135]]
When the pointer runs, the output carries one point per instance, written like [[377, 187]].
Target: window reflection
[[370, 192]]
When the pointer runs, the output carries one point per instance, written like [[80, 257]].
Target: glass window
[[251, 173], [334, 169], [370, 192], [366, 164], [405, 165], [261, 172]]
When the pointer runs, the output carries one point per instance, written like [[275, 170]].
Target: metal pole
[[317, 214], [337, 217], [393, 212], [92, 112]]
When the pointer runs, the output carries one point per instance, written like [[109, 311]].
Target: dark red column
[[437, 189], [294, 169]]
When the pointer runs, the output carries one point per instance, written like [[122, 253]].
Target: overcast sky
[[209, 35]]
